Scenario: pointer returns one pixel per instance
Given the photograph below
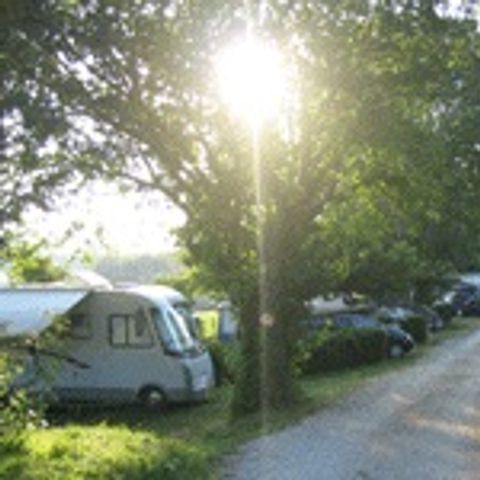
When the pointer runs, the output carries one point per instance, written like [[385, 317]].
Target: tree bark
[[268, 323], [247, 390]]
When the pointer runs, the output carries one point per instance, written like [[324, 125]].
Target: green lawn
[[180, 443]]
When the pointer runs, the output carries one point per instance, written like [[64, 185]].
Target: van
[[177, 300], [119, 346]]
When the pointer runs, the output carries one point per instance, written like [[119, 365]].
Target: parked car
[[399, 342], [393, 314], [434, 320], [463, 299], [399, 314]]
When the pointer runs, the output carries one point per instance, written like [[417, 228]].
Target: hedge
[[225, 358], [445, 311], [417, 327], [336, 349]]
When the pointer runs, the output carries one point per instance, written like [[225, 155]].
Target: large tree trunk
[[277, 348], [269, 323], [265, 378], [247, 391]]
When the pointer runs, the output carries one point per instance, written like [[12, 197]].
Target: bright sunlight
[[252, 80]]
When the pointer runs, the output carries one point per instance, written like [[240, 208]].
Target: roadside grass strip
[[102, 452]]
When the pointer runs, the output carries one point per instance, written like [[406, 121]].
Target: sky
[[128, 223]]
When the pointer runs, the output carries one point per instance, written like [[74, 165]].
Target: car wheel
[[395, 351], [152, 398]]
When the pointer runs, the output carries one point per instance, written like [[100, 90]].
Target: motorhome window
[[80, 326], [130, 331], [184, 309], [118, 330], [173, 331], [139, 334]]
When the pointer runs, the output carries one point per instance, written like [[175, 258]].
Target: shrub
[[445, 311], [225, 361], [336, 349], [18, 410], [416, 326]]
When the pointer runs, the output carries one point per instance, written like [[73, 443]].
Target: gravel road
[[421, 423]]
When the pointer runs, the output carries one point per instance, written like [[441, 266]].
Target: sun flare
[[252, 80]]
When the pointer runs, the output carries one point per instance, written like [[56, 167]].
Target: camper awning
[[29, 311]]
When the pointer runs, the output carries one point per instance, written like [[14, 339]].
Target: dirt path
[[422, 423]]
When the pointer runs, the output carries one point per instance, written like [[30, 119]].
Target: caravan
[[123, 345]]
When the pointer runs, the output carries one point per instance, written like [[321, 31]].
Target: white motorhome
[[177, 300], [120, 346]]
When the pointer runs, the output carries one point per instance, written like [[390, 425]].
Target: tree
[[126, 90], [407, 209], [28, 262]]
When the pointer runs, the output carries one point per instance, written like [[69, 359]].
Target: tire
[[152, 398], [395, 351]]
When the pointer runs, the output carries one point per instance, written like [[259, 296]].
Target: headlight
[[200, 382]]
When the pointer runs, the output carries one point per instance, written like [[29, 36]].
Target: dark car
[[399, 342], [401, 313], [462, 299]]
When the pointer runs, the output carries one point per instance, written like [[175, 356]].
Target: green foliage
[[416, 326], [225, 359], [331, 349], [28, 262], [104, 453], [445, 311], [18, 410], [24, 406]]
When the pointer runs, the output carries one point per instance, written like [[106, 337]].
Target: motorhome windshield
[[173, 331], [185, 310]]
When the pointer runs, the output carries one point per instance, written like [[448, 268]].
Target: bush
[[225, 361], [18, 410], [336, 349], [416, 326], [445, 311]]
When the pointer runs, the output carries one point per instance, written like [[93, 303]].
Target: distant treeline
[[138, 268]]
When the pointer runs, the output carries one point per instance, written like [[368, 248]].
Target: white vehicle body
[[176, 299], [121, 345]]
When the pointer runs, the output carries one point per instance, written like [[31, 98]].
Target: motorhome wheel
[[152, 397]]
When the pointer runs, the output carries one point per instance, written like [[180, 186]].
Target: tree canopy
[[368, 181]]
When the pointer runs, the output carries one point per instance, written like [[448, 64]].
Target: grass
[[101, 451], [181, 443]]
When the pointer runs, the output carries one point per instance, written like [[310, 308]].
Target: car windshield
[[365, 322], [343, 321], [356, 321], [173, 331]]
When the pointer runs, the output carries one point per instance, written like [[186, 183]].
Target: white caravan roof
[[27, 311], [159, 292]]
